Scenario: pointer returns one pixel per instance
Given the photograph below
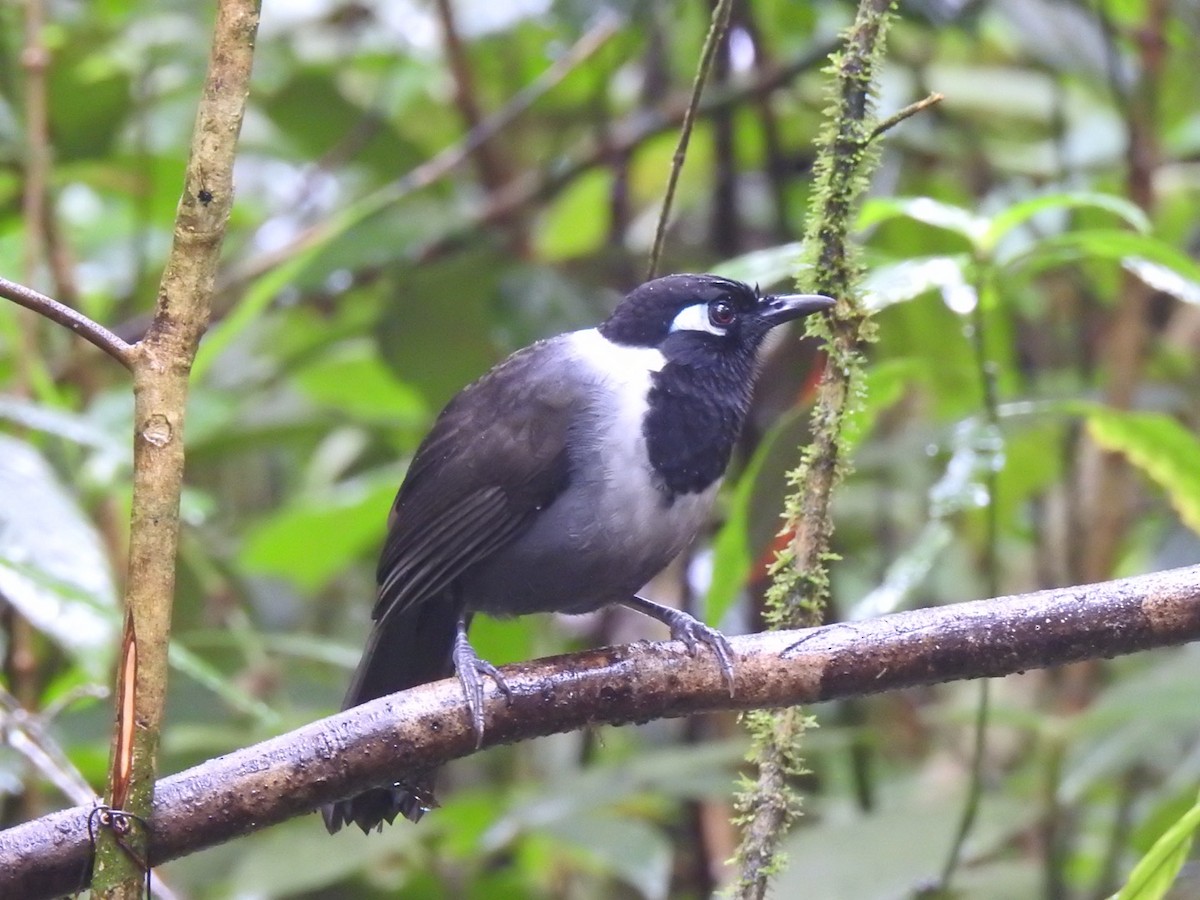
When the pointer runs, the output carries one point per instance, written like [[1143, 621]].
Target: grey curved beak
[[780, 308]]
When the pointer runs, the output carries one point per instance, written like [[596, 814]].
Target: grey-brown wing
[[496, 455]]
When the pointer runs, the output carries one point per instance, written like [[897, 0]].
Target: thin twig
[[991, 570], [907, 113], [493, 169], [35, 60], [35, 165], [724, 223], [63, 315], [27, 734], [46, 245], [716, 31]]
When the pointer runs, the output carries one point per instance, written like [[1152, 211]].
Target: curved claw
[[471, 671], [692, 632]]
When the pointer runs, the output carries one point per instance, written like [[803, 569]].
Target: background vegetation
[[1030, 416]]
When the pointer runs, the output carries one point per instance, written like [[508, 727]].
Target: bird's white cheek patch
[[695, 318]]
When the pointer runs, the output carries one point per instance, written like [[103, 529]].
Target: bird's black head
[[708, 330], [698, 316]]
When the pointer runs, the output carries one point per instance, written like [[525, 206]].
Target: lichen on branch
[[800, 580]]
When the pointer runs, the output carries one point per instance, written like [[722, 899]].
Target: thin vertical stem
[[35, 60], [161, 365], [985, 293], [716, 31], [800, 586], [36, 166]]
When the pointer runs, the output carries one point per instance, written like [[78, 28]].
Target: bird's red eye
[[721, 313]]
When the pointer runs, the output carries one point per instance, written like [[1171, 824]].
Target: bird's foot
[[471, 672], [692, 632]]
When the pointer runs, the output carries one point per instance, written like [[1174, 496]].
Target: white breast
[[623, 378]]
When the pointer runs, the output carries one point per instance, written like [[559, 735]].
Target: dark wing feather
[[465, 537], [496, 455]]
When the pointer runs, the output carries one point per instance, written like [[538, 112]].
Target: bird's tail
[[408, 648]]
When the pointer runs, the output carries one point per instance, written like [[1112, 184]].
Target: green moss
[[800, 575]]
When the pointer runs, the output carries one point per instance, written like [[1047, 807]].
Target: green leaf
[[208, 676], [313, 539], [886, 382], [628, 848], [907, 830], [1164, 278], [910, 278], [731, 553], [684, 772], [53, 567], [91, 96], [983, 91], [352, 378], [299, 858], [983, 233], [978, 448], [1100, 243], [291, 106], [1022, 212], [1154, 874], [1162, 448], [587, 809], [264, 289], [771, 265], [1120, 730], [576, 223], [60, 423], [439, 345], [503, 641], [257, 298], [928, 211]]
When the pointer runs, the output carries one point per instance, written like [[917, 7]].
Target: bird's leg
[[691, 631], [471, 669]]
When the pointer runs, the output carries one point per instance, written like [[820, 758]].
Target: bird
[[562, 480]]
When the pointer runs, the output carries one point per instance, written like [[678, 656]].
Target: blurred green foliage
[[354, 301]]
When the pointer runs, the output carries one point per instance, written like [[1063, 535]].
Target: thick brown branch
[[373, 743], [79, 323]]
